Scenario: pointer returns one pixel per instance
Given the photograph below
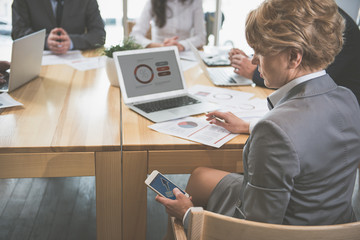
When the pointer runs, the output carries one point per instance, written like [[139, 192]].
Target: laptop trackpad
[[177, 111], [188, 110]]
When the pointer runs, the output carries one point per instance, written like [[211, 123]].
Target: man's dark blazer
[[345, 70], [81, 20]]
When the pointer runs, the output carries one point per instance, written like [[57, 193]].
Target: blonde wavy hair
[[313, 27]]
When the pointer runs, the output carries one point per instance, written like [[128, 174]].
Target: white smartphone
[[161, 185]]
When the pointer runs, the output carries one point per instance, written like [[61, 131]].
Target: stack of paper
[[199, 130], [195, 129], [7, 101], [74, 59]]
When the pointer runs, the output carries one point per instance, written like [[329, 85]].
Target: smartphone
[[161, 185]]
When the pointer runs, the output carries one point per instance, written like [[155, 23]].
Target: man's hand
[[2, 80], [58, 41], [4, 65], [176, 208], [241, 63]]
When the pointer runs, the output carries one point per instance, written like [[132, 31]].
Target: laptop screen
[[150, 73]]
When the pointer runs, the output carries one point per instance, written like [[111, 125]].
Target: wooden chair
[[131, 24], [206, 225]]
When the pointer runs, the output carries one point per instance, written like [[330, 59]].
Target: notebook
[[152, 84], [221, 76], [26, 58]]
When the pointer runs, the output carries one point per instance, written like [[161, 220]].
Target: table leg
[[134, 192], [108, 195]]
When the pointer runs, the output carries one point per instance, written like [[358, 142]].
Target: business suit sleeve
[[95, 33], [21, 23], [272, 164]]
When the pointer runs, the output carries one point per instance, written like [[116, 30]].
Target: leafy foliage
[[127, 44]]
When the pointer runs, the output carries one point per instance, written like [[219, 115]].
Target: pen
[[217, 118]]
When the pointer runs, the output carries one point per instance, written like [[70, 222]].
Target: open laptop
[[26, 58], [152, 84], [221, 76], [218, 58], [217, 61]]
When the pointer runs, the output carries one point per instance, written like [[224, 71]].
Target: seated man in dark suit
[[69, 24], [344, 70]]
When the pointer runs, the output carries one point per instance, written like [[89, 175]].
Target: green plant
[[127, 44]]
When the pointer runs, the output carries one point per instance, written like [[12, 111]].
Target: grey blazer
[[81, 20], [300, 160]]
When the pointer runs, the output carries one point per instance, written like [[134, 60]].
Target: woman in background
[[173, 23]]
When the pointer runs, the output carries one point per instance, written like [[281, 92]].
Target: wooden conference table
[[71, 125]]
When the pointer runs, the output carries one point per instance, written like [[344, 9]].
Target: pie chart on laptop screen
[[187, 124], [143, 74]]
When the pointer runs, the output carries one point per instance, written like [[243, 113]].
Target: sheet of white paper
[[237, 102], [252, 107], [250, 110], [185, 65], [199, 130], [195, 129], [52, 59], [222, 96], [215, 51], [7, 101], [84, 64], [188, 55]]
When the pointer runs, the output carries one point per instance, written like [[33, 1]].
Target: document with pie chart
[[195, 129]]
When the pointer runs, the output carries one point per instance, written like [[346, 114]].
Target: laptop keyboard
[[167, 104], [220, 76]]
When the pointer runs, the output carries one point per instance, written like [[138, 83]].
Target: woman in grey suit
[[300, 160]]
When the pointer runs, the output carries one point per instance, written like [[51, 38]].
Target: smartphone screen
[[164, 186]]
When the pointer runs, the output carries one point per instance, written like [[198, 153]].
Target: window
[[233, 29], [5, 17], [134, 8], [112, 11], [5, 30]]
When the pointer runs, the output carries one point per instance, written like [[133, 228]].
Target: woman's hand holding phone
[[178, 207], [175, 200]]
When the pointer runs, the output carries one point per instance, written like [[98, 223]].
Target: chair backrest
[[210, 21], [206, 225], [131, 24]]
